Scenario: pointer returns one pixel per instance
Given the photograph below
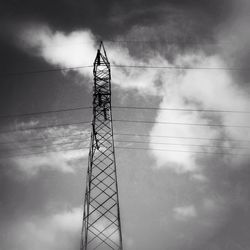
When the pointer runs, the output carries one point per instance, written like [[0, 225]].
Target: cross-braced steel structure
[[101, 219]]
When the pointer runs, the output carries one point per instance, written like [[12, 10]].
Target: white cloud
[[185, 213], [57, 48], [200, 89], [50, 149], [78, 48], [60, 161]]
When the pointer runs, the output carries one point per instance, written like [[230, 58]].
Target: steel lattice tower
[[101, 227]]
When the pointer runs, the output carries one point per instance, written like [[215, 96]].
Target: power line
[[42, 71], [179, 137], [43, 112], [181, 109], [42, 127], [180, 144], [117, 134], [30, 147], [123, 120], [42, 138], [43, 152], [184, 124], [129, 148], [179, 67], [43, 146], [181, 151], [120, 107], [10, 74]]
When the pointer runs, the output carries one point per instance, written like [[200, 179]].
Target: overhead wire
[[182, 151], [48, 138], [11, 74], [45, 138], [178, 67], [118, 107], [121, 120], [41, 71], [182, 123], [179, 137], [42, 146], [182, 144], [175, 67], [43, 127], [130, 148], [43, 112], [180, 109], [30, 147], [41, 153], [127, 66], [124, 120]]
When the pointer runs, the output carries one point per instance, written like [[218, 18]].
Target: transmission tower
[[101, 227]]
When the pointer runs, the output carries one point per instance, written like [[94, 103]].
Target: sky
[[193, 193]]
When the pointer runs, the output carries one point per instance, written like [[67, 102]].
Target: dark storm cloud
[[111, 17], [195, 21]]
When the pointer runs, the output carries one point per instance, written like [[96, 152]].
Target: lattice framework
[[101, 219]]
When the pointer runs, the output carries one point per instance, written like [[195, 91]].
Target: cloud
[[197, 89], [58, 48], [78, 48], [61, 161], [185, 213], [61, 230], [191, 89], [177, 89], [52, 148], [56, 231]]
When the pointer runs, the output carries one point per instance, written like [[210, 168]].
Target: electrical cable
[[181, 151], [47, 138], [43, 146], [179, 137], [180, 144], [178, 67], [43, 152], [42, 127], [43, 112], [21, 73], [130, 148], [42, 138], [181, 109], [128, 121], [30, 147], [184, 124], [42, 71], [121, 107]]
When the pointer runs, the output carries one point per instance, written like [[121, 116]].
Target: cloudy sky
[[189, 188]]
